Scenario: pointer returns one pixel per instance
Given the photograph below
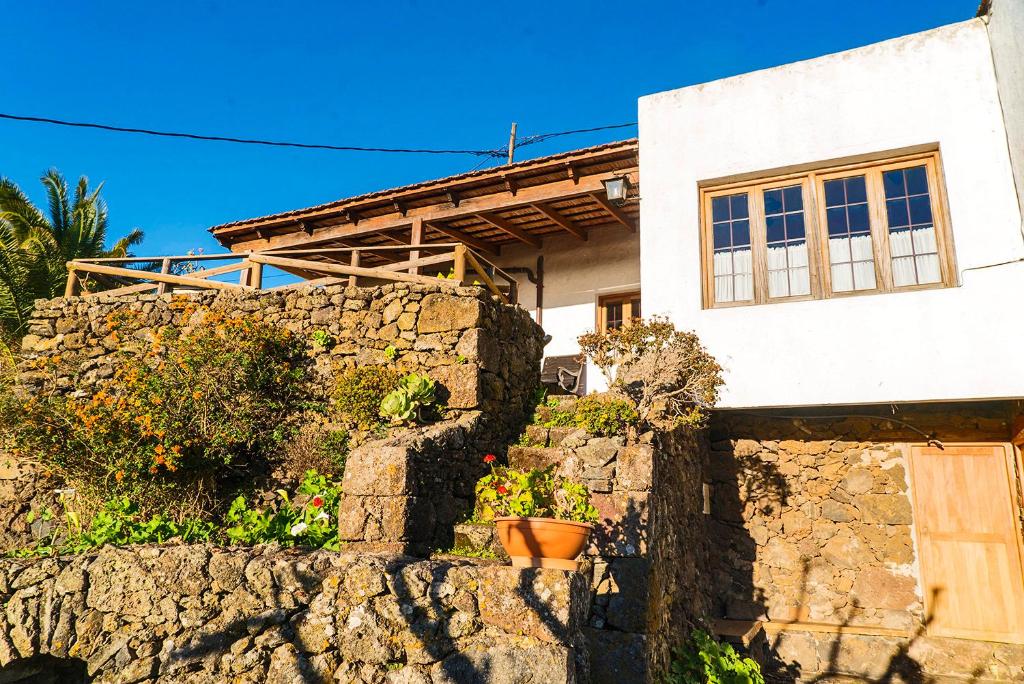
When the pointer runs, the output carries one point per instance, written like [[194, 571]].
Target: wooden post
[[165, 268], [416, 239], [256, 276], [512, 144], [460, 263], [72, 286], [353, 281]]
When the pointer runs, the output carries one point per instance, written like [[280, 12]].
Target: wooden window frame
[[812, 182], [627, 305]]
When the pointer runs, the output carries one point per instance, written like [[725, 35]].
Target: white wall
[[932, 87], [1006, 35], [576, 274]]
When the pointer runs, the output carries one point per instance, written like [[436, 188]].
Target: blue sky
[[408, 74]]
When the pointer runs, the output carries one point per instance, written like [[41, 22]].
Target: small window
[[857, 228], [616, 311]]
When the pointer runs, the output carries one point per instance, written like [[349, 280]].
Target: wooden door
[[968, 531]]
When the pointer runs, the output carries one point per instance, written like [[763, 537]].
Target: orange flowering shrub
[[193, 411]]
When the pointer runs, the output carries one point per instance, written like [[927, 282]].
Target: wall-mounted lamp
[[617, 189]]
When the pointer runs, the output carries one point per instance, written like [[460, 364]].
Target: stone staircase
[[573, 451]]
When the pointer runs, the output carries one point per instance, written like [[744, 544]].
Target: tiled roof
[[439, 182]]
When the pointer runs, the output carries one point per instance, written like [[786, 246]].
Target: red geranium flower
[[502, 490], [490, 458], [318, 501]]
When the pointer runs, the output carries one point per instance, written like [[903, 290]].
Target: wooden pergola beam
[[341, 269], [614, 211], [564, 223], [514, 231], [154, 277], [465, 238], [525, 197]]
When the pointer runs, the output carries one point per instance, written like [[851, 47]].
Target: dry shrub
[[667, 372], [316, 446]]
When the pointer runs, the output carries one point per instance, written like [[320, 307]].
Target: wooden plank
[[467, 207], [561, 221], [614, 211], [416, 238], [165, 268], [465, 238], [460, 263], [353, 280], [422, 261], [72, 285], [128, 289], [514, 231], [155, 277], [969, 541], [483, 276], [342, 269], [316, 282]]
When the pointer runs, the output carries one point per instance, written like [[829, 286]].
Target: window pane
[[920, 209], [835, 195], [732, 263], [856, 190], [893, 182], [795, 226], [739, 206], [850, 249], [917, 181], [720, 209], [784, 228], [740, 233], [897, 210], [858, 218], [836, 221], [914, 252]]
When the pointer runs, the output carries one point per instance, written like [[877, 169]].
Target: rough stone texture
[[812, 521], [200, 614], [401, 494], [648, 555]]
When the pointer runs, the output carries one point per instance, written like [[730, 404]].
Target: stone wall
[[401, 494], [812, 522], [647, 557], [200, 614], [485, 355]]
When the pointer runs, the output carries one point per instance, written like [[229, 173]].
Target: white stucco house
[[845, 234]]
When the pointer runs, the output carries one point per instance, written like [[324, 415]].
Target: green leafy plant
[[600, 414], [703, 660], [117, 523], [405, 404], [390, 352], [535, 493], [169, 427], [289, 523], [360, 391], [321, 338]]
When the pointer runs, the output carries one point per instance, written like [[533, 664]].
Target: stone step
[[541, 436], [525, 458], [480, 537]]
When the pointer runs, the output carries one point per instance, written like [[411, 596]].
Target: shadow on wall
[[45, 669], [746, 486]]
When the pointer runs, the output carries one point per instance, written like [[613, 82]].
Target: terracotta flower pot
[[543, 542]]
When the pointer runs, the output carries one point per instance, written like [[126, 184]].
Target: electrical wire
[[930, 437], [486, 154], [244, 141]]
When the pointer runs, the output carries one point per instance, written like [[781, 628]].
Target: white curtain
[[915, 259], [853, 263], [734, 280], [787, 270]]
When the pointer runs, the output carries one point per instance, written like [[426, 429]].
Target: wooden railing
[[316, 267]]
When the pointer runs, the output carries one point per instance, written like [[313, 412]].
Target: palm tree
[[35, 247]]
